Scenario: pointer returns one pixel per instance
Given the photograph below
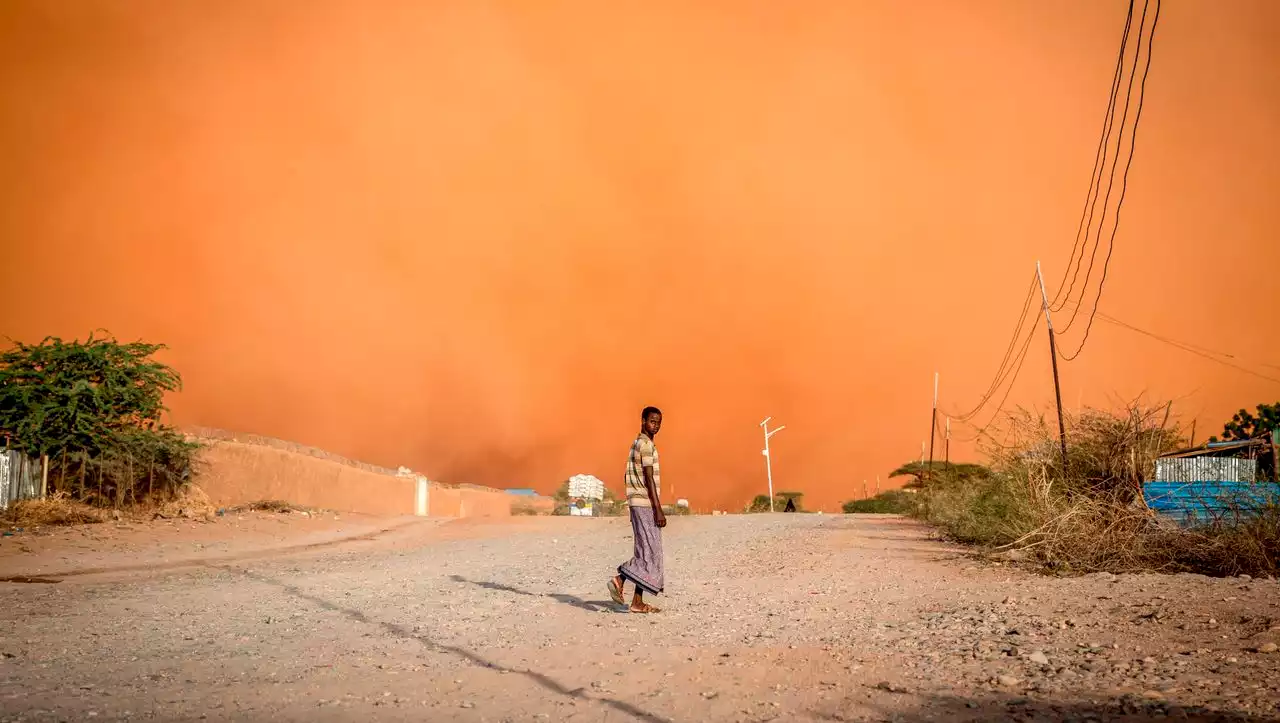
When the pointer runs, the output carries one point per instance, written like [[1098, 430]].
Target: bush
[[95, 409], [1092, 518], [891, 502], [760, 503]]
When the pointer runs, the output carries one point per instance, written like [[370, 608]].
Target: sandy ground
[[782, 617]]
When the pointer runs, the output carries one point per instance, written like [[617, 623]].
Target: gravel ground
[[768, 617]]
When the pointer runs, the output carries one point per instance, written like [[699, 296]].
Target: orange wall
[[466, 502], [475, 238], [232, 473], [235, 473]]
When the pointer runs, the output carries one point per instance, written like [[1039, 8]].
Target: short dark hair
[[649, 410]]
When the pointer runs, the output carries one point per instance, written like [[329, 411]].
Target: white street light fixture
[[768, 461]]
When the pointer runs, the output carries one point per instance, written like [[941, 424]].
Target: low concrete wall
[[235, 473]]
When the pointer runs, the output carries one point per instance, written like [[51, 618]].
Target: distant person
[[791, 505], [644, 569]]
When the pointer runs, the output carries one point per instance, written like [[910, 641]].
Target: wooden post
[[947, 445], [1057, 386], [44, 476], [933, 422], [1275, 455]]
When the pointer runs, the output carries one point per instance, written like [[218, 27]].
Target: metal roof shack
[[1216, 482]]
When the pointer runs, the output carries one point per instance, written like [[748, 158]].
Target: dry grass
[[56, 509], [188, 503], [278, 506], [1093, 517]]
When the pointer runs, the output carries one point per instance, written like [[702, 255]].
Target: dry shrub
[[189, 502], [1093, 518], [56, 509], [279, 506]]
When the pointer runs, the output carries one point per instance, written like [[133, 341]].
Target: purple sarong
[[645, 568]]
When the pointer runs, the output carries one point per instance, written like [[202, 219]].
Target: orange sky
[[475, 238]]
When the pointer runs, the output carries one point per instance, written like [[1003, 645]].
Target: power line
[[1016, 370], [1095, 176], [1003, 370], [1124, 182], [1205, 352]]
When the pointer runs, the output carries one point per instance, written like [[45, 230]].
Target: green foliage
[[922, 473], [57, 396], [95, 408], [760, 503], [1244, 425], [891, 502]]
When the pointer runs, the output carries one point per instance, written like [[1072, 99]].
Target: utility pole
[[1053, 355], [768, 462], [933, 422], [877, 485], [946, 446], [864, 490]]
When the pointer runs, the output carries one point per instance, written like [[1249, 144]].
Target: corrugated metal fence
[[1199, 490], [21, 477]]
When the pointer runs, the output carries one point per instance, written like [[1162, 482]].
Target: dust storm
[[476, 238]]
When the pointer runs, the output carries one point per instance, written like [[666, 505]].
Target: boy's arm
[[646, 460]]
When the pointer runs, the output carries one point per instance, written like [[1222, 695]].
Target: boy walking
[[644, 569]]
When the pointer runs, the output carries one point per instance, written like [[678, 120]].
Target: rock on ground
[[766, 617]]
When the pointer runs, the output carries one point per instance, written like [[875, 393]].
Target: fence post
[[44, 476]]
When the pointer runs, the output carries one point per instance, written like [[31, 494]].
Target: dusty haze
[[475, 238]]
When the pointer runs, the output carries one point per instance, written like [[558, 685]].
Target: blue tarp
[[1205, 501]]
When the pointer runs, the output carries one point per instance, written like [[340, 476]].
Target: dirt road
[[783, 617]]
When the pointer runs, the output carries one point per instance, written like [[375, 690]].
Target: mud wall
[[235, 473]]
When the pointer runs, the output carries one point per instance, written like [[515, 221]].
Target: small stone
[[1008, 681], [1039, 658], [1268, 648], [1152, 695], [467, 704]]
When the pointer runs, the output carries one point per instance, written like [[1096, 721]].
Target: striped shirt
[[644, 453]]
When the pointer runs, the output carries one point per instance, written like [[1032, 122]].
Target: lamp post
[[768, 462]]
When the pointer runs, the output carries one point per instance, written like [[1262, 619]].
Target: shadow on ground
[[404, 633], [594, 606], [906, 708]]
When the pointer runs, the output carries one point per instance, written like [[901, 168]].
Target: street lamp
[[768, 463]]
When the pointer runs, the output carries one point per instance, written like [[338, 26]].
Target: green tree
[[95, 408], [1244, 425], [760, 503]]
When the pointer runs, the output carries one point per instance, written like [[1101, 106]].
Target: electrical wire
[[1095, 176], [1124, 183], [1003, 370], [1210, 354], [1017, 369]]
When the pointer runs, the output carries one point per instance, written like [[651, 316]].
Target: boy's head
[[651, 421]]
